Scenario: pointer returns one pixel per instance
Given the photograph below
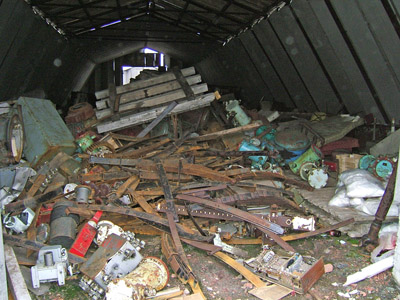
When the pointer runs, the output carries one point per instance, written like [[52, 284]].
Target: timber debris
[[165, 156]]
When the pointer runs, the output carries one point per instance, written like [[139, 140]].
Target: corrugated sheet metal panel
[[333, 56]]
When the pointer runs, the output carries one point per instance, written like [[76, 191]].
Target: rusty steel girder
[[268, 228], [36, 246], [156, 221], [258, 197]]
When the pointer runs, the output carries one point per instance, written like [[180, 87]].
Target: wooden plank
[[347, 60], [327, 55], [148, 92], [283, 66], [154, 123], [304, 60], [270, 292], [370, 55], [3, 273], [16, 281], [141, 151], [145, 83], [266, 70], [222, 133], [153, 101], [143, 203], [143, 117], [184, 83], [250, 276], [173, 166]]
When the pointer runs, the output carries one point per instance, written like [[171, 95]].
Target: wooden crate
[[348, 161]]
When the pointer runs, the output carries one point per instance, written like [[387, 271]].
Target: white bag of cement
[[370, 207], [356, 202], [340, 198], [361, 184]]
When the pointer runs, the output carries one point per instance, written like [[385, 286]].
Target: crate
[[348, 161]]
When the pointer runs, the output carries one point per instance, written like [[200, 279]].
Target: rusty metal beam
[[371, 239], [157, 222], [267, 227], [36, 246]]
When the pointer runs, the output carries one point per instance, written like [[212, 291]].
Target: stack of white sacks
[[360, 189]]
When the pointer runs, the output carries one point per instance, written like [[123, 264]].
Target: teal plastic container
[[366, 161], [313, 154]]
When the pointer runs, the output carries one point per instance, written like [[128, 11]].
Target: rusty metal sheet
[[99, 258]]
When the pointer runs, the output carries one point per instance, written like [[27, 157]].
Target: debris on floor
[[166, 158]]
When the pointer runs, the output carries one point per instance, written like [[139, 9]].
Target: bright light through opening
[[109, 24]]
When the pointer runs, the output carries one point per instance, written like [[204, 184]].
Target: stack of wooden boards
[[143, 101]]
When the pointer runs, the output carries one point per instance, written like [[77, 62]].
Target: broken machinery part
[[115, 257], [291, 270], [63, 227], [51, 265], [150, 276]]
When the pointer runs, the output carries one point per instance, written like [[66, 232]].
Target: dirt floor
[[219, 281]]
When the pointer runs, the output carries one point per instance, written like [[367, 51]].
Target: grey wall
[[333, 56], [35, 59]]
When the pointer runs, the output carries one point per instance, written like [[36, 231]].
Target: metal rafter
[[202, 19], [86, 11], [220, 12], [69, 10], [185, 8], [243, 6], [226, 6], [212, 20], [190, 28], [100, 26], [97, 26], [119, 9], [146, 38]]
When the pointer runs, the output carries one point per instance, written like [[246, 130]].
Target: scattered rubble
[[163, 156]]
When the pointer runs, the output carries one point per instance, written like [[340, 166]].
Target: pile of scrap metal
[[212, 178]]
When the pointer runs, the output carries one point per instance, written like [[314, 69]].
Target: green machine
[[45, 131]]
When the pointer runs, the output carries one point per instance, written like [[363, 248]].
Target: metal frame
[[190, 21]]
